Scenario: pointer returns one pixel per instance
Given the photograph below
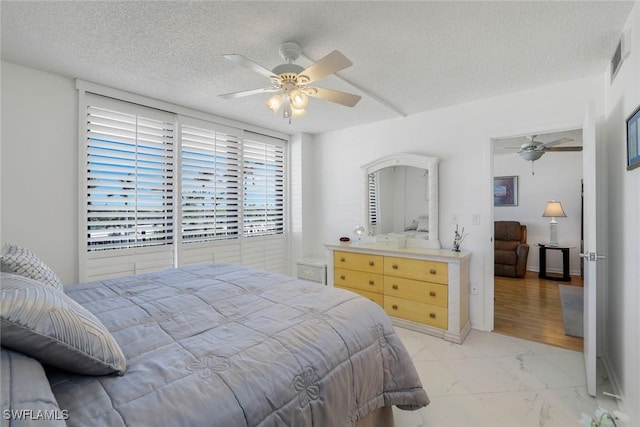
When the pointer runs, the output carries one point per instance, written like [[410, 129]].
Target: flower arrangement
[[458, 237]]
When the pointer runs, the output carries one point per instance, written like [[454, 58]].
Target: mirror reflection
[[402, 200], [399, 201]]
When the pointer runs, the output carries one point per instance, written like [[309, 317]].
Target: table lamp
[[553, 210]]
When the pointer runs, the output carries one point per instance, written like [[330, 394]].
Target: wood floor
[[529, 308]]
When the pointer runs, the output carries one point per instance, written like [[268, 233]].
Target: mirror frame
[[419, 161]]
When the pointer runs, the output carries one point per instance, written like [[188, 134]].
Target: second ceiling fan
[[533, 150], [290, 82]]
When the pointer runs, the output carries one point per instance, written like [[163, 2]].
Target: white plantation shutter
[[263, 180], [147, 171], [129, 175], [373, 198], [210, 169]]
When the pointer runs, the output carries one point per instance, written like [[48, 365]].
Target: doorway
[[529, 307]]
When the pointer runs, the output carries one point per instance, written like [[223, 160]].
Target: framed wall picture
[[633, 147], [505, 191]]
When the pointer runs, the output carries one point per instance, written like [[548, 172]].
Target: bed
[[212, 344]]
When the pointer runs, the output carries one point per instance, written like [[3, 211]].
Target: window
[[129, 181], [263, 177], [210, 166], [163, 189]]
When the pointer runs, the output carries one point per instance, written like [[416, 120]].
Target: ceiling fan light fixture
[[532, 154], [287, 111], [299, 100], [290, 81], [288, 69], [274, 103]]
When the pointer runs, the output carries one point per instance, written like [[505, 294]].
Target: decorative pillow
[[25, 263], [46, 324], [423, 223], [25, 387], [412, 226]]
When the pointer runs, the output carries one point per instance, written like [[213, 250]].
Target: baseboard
[[554, 270], [613, 380]]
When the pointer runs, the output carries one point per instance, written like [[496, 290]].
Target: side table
[[542, 274], [313, 269]]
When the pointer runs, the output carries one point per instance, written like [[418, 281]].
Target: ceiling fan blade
[[557, 141], [346, 99], [247, 63], [330, 64], [574, 148], [249, 92]]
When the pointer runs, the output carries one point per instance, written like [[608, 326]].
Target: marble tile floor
[[495, 380]]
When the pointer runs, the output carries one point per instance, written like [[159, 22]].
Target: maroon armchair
[[511, 249]]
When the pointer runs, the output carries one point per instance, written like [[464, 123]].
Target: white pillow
[[423, 223], [48, 325], [412, 226]]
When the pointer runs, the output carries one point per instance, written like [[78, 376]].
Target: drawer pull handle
[[432, 315], [395, 307], [342, 277], [394, 287], [394, 266], [371, 282], [371, 263], [342, 259], [432, 271], [432, 294]]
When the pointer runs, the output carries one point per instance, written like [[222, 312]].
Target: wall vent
[[622, 51]]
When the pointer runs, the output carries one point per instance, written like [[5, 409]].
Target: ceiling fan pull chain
[[532, 171]]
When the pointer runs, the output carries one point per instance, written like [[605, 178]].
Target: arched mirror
[[402, 199]]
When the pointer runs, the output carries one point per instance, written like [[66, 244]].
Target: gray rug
[[572, 300]]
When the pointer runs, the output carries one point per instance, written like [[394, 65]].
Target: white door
[[590, 250]]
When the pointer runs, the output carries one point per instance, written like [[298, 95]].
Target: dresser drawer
[[415, 290], [377, 298], [416, 311], [358, 280], [360, 262], [429, 271]]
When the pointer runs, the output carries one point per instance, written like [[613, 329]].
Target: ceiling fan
[[290, 82], [533, 150]]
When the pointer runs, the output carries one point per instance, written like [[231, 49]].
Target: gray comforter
[[223, 345]]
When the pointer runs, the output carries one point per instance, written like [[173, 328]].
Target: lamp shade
[[299, 100], [275, 102], [554, 209]]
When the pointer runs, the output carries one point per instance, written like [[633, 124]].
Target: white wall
[[557, 177], [40, 166], [622, 333]]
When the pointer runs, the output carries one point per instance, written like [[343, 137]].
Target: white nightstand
[[313, 269]]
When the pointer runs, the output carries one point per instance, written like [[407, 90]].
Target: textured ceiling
[[416, 56]]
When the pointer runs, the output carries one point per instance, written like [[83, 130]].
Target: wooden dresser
[[426, 290]]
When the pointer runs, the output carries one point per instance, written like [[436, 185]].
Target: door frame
[[488, 305]]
